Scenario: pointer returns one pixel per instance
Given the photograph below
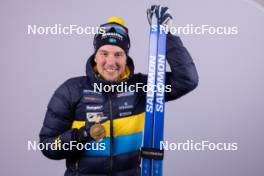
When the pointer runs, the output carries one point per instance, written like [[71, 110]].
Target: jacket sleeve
[[56, 129], [183, 77]]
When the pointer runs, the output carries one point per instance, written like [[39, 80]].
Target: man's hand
[[83, 134], [163, 15], [90, 131]]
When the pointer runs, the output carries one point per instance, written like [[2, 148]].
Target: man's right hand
[[90, 131], [83, 134]]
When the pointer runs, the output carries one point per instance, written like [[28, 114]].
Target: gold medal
[[97, 131]]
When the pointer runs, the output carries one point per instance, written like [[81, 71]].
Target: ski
[[154, 116], [150, 97], [159, 100]]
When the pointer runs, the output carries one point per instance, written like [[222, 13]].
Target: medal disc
[[97, 131]]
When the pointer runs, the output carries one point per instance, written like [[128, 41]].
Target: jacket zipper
[[77, 168], [111, 135]]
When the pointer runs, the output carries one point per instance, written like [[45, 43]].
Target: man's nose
[[110, 59]]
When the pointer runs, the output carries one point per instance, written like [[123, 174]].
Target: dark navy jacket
[[123, 116]]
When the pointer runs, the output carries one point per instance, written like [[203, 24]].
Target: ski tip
[[116, 19]]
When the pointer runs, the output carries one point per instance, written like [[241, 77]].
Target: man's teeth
[[111, 70]]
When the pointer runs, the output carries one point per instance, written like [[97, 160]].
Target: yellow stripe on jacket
[[122, 126]]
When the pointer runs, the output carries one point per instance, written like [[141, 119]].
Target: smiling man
[[100, 133], [110, 62]]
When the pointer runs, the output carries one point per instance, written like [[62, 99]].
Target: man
[[110, 124]]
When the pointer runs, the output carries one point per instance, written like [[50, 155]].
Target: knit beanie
[[115, 33]]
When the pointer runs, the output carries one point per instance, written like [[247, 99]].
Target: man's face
[[110, 62]]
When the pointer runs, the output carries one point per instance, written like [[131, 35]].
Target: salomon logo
[[160, 83], [151, 83]]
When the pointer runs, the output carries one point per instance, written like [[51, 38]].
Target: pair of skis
[[151, 152]]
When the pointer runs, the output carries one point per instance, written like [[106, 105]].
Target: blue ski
[[159, 99], [154, 119], [150, 97]]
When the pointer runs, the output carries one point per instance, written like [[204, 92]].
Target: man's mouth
[[111, 70]]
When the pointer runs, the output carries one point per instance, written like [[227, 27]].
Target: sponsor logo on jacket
[[90, 96], [125, 94], [98, 107], [93, 99], [125, 113], [95, 117], [87, 91], [126, 106]]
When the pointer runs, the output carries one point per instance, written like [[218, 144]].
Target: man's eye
[[104, 54], [119, 54]]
